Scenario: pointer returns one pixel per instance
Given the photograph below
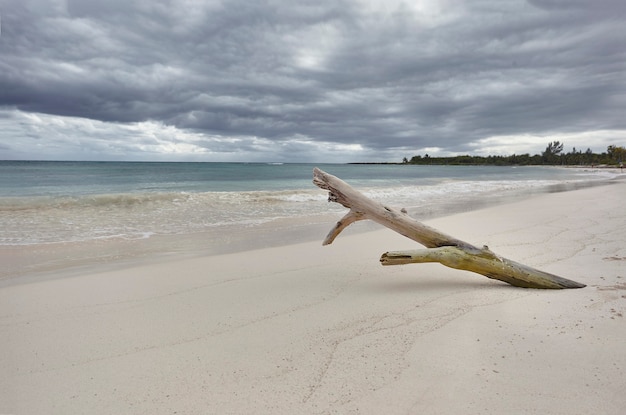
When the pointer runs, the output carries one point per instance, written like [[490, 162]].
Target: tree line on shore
[[552, 156]]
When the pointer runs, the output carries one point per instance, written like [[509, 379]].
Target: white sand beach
[[307, 329]]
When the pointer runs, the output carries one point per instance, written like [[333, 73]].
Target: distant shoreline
[[567, 166]]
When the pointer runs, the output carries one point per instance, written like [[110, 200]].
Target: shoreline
[[62, 259], [303, 328]]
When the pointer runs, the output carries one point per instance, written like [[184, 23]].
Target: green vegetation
[[552, 156]]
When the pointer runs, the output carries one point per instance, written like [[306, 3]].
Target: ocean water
[[55, 202]]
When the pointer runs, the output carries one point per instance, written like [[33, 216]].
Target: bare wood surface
[[442, 248]]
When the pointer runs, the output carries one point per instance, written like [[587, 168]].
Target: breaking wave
[[36, 220]]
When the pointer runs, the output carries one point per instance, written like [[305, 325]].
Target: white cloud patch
[[70, 138]]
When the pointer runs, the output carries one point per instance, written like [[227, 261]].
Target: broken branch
[[442, 248]]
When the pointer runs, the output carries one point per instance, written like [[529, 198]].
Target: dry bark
[[441, 248]]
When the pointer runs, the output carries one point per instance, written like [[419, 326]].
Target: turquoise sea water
[[59, 202]]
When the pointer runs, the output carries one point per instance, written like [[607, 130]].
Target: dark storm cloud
[[382, 74]]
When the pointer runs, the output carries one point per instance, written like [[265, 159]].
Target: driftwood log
[[441, 248]]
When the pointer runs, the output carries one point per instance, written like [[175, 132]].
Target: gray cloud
[[387, 76]]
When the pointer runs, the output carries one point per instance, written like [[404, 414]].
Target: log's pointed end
[[561, 286], [553, 283], [562, 283], [574, 284]]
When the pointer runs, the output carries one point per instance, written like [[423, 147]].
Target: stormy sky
[[317, 81]]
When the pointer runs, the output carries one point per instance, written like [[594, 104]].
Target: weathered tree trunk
[[442, 248]]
